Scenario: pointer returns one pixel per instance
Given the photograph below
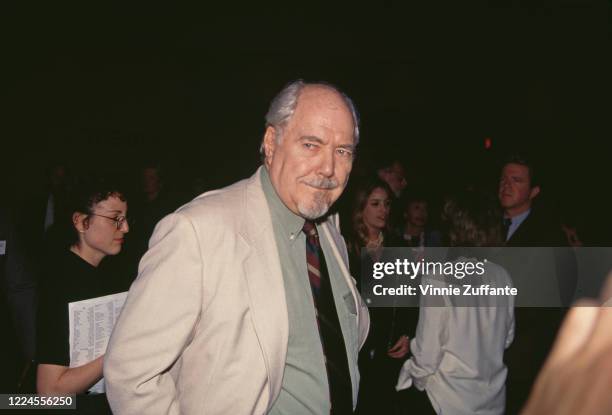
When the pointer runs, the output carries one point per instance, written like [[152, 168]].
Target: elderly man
[[244, 303]]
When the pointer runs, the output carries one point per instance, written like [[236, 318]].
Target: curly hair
[[473, 221]]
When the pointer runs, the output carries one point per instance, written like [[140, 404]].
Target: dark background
[[104, 87]]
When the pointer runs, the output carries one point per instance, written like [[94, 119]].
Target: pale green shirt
[[304, 389]]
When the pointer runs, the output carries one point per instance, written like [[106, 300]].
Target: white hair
[[284, 103]]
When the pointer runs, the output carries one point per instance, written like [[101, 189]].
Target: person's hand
[[577, 376], [572, 236], [400, 348]]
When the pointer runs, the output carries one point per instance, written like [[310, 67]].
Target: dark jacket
[[538, 229], [17, 302]]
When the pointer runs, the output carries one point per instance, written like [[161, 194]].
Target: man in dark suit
[[524, 226], [17, 306], [43, 209], [545, 277]]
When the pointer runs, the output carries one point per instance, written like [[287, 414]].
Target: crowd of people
[[242, 301]]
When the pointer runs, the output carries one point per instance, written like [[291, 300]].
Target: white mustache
[[321, 183]]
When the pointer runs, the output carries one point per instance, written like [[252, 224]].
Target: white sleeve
[[156, 324], [510, 335], [426, 347]]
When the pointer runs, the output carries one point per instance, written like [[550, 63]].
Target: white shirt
[[457, 353]]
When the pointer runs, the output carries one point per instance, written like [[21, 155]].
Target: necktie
[[334, 350], [507, 223]]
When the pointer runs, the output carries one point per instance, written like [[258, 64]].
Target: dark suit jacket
[[536, 327], [17, 301], [538, 230]]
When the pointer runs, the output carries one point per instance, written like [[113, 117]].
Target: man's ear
[[534, 192], [79, 220], [269, 143]]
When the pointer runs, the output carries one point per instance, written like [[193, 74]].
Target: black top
[[387, 324], [66, 278]]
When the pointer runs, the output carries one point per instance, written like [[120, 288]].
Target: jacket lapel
[[341, 262], [265, 284], [359, 333]]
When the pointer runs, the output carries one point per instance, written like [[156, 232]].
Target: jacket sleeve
[[156, 324]]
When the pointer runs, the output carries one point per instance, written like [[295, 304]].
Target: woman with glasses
[[96, 228]]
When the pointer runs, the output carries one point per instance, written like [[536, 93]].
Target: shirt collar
[[518, 219], [290, 224]]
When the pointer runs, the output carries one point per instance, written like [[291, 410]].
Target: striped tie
[[334, 350]]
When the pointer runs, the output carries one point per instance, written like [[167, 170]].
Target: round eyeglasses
[[119, 220]]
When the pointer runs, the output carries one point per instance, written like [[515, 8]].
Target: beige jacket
[[204, 328]]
